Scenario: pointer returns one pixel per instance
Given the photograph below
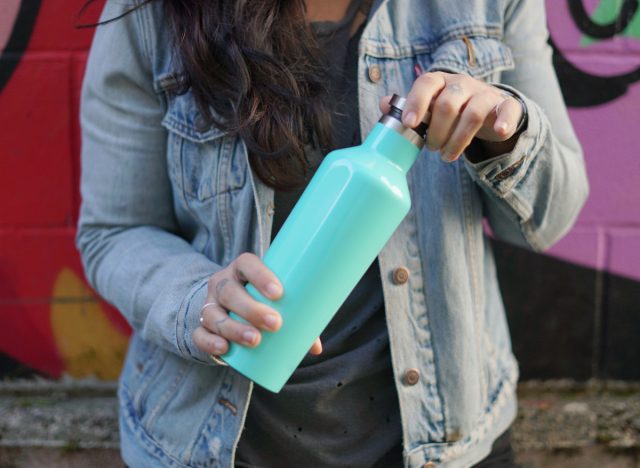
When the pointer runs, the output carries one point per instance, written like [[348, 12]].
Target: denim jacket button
[[411, 377], [201, 124], [400, 275], [374, 73], [429, 464]]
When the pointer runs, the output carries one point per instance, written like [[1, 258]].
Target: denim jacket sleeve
[[126, 234], [533, 194]]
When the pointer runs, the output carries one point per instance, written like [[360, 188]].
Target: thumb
[[316, 347], [508, 114]]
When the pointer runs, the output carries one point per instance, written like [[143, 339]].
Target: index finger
[[424, 89]]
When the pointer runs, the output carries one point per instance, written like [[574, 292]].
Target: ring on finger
[[217, 323], [204, 307]]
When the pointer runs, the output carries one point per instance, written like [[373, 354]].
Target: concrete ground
[[560, 424]]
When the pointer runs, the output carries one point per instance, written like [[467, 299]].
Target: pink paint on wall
[[609, 131], [8, 13], [624, 251]]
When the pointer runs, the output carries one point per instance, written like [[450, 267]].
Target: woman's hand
[[226, 292], [458, 108]]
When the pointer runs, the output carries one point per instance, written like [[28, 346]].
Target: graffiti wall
[[51, 322], [576, 313], [573, 312]]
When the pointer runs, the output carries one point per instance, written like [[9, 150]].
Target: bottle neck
[[386, 140]]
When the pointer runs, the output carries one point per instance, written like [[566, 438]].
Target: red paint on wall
[[40, 167], [39, 179]]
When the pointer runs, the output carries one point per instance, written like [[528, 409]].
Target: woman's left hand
[[457, 109]]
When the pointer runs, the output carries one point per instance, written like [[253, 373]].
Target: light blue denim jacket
[[166, 202]]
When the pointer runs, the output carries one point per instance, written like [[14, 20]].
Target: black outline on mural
[[19, 39], [582, 89], [602, 31]]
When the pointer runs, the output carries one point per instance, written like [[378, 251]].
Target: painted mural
[[51, 321], [53, 324]]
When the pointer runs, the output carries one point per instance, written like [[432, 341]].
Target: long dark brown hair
[[254, 70]]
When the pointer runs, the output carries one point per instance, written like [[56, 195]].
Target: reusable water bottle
[[351, 207]]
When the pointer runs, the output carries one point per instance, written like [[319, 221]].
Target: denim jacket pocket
[[203, 159], [397, 65], [142, 368], [481, 57]]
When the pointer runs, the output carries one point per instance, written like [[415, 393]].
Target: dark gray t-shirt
[[339, 408]]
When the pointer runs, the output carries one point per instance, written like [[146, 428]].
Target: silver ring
[[204, 307], [207, 305]]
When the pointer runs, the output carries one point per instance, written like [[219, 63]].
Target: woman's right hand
[[226, 292]]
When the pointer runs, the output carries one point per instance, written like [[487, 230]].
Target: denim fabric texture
[[166, 202]]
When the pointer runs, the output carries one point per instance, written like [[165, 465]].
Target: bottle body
[[351, 207]]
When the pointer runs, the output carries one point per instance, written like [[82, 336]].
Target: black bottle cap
[[393, 119]]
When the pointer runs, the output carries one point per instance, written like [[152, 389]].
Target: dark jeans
[[501, 453]]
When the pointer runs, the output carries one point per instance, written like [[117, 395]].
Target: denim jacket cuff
[[189, 320], [501, 173]]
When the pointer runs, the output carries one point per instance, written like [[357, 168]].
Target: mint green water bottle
[[351, 207]]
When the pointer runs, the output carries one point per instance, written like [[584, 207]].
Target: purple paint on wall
[[610, 136], [624, 248]]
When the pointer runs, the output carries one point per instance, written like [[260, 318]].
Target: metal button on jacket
[[374, 73], [411, 377], [400, 275], [201, 124]]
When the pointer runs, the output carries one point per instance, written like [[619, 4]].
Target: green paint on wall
[[606, 12]]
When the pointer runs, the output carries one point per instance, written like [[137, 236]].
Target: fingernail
[[217, 346], [273, 289], [410, 119], [271, 321], [447, 157], [249, 337], [503, 127]]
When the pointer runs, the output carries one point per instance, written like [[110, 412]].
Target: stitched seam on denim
[[179, 142], [181, 325], [143, 28], [256, 200], [474, 267], [507, 387], [481, 69], [438, 407], [139, 398], [188, 132], [151, 446], [243, 418], [385, 49], [395, 354], [165, 398], [536, 139], [442, 451], [532, 237], [204, 430], [224, 201]]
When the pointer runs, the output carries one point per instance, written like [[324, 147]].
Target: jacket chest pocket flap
[[203, 160], [481, 57]]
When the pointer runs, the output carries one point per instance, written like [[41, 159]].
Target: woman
[[202, 123]]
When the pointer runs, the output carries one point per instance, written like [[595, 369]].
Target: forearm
[[155, 279], [533, 193]]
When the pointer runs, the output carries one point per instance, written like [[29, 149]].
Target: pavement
[[561, 423]]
